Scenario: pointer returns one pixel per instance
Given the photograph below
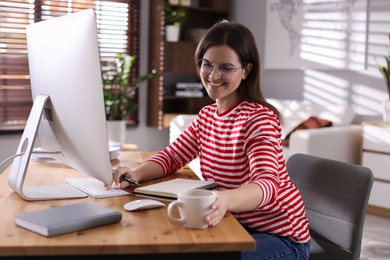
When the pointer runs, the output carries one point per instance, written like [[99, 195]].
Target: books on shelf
[[189, 85], [189, 89], [185, 93], [65, 219], [169, 189]]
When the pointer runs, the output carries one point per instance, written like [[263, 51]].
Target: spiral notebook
[[169, 189]]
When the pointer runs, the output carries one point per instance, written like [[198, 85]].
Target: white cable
[[11, 157], [20, 154]]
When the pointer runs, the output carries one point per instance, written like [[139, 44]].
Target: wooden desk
[[142, 232]]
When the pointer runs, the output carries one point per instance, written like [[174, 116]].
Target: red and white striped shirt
[[237, 147]]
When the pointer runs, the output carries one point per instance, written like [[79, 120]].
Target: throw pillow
[[311, 122]]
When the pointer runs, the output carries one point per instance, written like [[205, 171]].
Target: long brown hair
[[241, 40]]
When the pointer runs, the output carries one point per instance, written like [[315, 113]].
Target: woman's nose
[[214, 74]]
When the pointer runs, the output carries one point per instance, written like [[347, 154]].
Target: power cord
[[20, 154], [10, 158]]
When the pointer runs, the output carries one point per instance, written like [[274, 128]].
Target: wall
[[275, 84], [364, 90]]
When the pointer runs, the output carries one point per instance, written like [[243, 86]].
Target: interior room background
[[364, 89]]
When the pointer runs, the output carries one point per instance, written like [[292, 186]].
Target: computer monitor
[[68, 111]]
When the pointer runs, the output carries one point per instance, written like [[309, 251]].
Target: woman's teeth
[[215, 84]]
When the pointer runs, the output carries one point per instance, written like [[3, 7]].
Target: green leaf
[[174, 15], [118, 91], [385, 70]]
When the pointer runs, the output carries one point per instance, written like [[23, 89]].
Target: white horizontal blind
[[117, 22]]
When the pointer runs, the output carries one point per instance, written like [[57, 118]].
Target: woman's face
[[221, 73]]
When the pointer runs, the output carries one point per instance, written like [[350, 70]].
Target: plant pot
[[116, 132], [386, 111], [172, 33]]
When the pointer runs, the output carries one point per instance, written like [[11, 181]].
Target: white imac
[[68, 111]]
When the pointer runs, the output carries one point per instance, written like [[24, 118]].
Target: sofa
[[341, 141], [334, 138]]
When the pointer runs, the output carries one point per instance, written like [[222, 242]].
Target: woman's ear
[[247, 69]]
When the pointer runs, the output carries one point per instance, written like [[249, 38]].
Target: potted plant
[[385, 71], [119, 93], [174, 19]]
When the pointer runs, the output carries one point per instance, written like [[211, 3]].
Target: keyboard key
[[95, 188]]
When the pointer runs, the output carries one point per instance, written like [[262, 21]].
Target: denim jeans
[[269, 246]]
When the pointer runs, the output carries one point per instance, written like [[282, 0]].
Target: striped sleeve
[[261, 139], [182, 151]]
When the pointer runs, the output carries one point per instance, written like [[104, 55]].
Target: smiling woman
[[117, 21], [238, 142]]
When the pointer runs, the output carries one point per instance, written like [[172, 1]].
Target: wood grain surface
[[141, 232]]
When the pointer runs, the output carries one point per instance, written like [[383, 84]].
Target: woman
[[238, 141]]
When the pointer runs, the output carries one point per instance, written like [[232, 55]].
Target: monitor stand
[[20, 164]]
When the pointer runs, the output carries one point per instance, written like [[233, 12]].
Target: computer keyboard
[[95, 188]]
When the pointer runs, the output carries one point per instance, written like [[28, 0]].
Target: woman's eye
[[226, 68], [207, 65]]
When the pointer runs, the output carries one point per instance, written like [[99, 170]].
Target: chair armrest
[[342, 143]]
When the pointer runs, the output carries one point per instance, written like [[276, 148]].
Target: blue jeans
[[269, 246]]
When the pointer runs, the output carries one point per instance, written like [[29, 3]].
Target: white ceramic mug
[[193, 207]]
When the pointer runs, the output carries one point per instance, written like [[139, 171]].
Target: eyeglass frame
[[217, 68]]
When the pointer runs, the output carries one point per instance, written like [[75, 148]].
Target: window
[[118, 31]]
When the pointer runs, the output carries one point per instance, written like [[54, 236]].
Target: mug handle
[[171, 206]]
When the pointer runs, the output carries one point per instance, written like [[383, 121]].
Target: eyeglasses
[[225, 71]]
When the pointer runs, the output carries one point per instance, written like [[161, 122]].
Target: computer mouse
[[142, 204]]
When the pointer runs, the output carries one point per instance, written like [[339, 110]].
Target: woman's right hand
[[120, 171], [144, 172]]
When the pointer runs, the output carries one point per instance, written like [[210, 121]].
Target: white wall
[[364, 90], [274, 84]]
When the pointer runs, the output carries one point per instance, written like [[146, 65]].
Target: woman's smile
[[214, 85]]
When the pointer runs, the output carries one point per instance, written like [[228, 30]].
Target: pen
[[128, 179]]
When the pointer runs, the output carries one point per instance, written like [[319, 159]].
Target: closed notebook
[[170, 189], [65, 219]]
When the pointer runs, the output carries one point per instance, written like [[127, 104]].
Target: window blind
[[118, 31]]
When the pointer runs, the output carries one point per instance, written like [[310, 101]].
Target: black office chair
[[336, 196]]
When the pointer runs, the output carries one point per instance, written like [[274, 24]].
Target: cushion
[[296, 112], [311, 122]]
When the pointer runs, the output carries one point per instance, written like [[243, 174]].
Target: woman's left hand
[[244, 198], [218, 208]]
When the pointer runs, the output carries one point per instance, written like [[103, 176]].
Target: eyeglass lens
[[224, 70]]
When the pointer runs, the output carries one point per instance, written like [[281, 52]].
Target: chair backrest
[[336, 195]]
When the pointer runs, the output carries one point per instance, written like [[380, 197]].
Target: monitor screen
[[65, 71]]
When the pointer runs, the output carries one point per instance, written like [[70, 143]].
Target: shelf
[[174, 60], [178, 58], [187, 98], [375, 155], [181, 105], [167, 119]]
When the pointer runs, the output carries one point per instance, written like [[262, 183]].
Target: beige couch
[[341, 141]]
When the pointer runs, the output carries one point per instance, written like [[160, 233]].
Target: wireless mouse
[[142, 204]]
